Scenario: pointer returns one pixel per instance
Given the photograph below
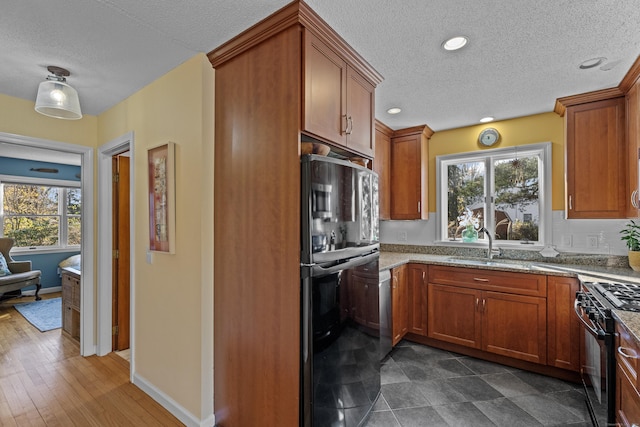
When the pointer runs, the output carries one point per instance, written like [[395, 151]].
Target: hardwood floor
[[45, 382]]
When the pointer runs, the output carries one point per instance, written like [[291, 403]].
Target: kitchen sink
[[513, 264]]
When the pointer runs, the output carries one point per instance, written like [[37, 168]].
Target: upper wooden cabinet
[[633, 144], [338, 101], [409, 173], [596, 165], [382, 166]]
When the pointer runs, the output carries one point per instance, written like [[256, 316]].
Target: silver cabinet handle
[[478, 279], [570, 204], [350, 120], [346, 125], [477, 302], [634, 199], [624, 352]]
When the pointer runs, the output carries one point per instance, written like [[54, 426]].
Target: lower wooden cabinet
[[627, 382], [563, 330], [363, 306], [454, 315], [627, 400], [502, 323], [417, 288], [399, 304], [71, 303]]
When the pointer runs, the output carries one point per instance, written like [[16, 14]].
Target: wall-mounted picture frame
[[162, 198]]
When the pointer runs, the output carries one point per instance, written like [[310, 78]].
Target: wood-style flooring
[[45, 382]]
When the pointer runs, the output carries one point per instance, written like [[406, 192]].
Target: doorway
[[54, 150], [111, 300], [121, 240]]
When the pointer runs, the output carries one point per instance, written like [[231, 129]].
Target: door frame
[[87, 317], [105, 246]]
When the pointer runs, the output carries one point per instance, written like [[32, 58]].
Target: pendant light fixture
[[56, 98]]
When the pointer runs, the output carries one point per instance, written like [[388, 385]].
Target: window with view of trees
[[41, 216], [500, 189]]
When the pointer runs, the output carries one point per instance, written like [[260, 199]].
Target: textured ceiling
[[522, 54]]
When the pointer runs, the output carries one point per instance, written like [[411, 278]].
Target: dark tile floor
[[424, 386]]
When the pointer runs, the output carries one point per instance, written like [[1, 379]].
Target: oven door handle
[[319, 271], [598, 333]]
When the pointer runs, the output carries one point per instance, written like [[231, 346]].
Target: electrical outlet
[[592, 241], [567, 240], [402, 236]]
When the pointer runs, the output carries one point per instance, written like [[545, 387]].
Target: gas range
[[616, 295], [597, 298]]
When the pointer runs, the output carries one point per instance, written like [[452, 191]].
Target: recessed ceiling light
[[455, 43], [590, 63], [394, 110], [486, 119]]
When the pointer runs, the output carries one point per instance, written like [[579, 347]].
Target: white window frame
[[543, 150], [62, 211]]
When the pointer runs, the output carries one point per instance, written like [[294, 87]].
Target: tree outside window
[[41, 215], [500, 188]]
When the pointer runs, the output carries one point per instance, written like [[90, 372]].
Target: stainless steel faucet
[[490, 251]]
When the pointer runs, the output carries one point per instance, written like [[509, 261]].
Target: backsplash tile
[[573, 238]]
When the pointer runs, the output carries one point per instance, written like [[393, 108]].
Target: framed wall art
[[162, 198]]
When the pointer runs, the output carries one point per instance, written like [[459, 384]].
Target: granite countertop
[[583, 271]]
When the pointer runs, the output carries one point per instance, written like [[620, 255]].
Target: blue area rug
[[45, 314]]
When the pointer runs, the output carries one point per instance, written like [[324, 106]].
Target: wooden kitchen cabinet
[[627, 395], [563, 326], [71, 302], [454, 315], [339, 101], [633, 143], [409, 173], [399, 304], [382, 166], [417, 298], [497, 312], [596, 159], [364, 297], [260, 107]]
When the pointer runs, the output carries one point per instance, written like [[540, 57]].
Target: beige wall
[[169, 305], [173, 295], [524, 130], [17, 116]]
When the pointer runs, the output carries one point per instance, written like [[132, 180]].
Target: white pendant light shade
[[59, 100], [56, 98]]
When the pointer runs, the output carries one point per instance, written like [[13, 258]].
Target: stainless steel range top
[[621, 296]]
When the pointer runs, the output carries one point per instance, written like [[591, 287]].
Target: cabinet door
[[382, 166], [399, 304], [454, 315], [596, 160], [325, 77], [514, 326], [633, 142], [417, 285], [405, 177], [627, 400], [563, 326], [360, 114]]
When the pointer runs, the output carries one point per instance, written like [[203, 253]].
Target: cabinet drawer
[[627, 353], [515, 283]]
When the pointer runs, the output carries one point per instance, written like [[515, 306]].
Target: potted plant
[[631, 236]]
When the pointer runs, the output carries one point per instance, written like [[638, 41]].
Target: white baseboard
[[171, 405], [44, 291]]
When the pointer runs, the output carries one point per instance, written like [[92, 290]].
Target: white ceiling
[[522, 55]]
